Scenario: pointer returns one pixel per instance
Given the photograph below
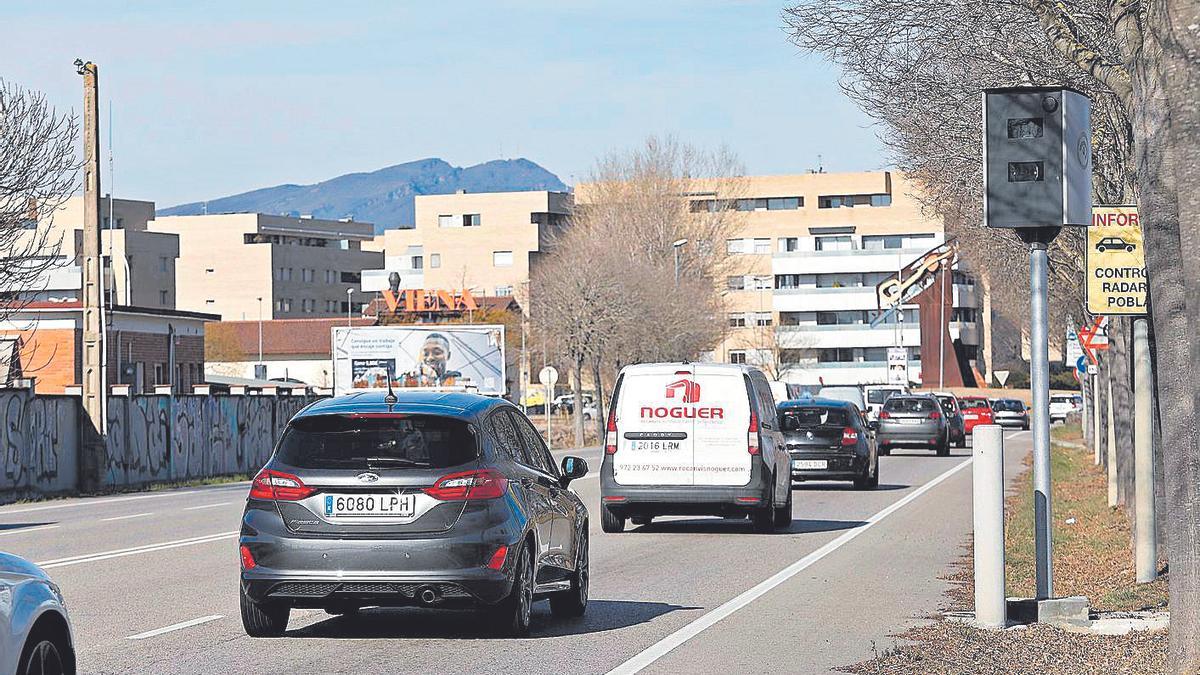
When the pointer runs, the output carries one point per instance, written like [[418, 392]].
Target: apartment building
[[238, 265], [801, 293], [486, 243]]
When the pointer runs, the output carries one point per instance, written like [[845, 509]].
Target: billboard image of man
[[434, 365]]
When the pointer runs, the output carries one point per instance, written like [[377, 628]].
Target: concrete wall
[[150, 439]]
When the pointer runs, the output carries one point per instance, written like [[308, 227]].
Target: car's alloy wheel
[[573, 602], [511, 616], [43, 657]]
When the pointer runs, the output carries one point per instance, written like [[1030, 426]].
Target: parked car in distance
[[976, 410], [1062, 405], [829, 440], [849, 394], [954, 418], [1010, 412], [438, 500], [914, 421], [565, 403], [694, 439], [35, 630], [877, 394]]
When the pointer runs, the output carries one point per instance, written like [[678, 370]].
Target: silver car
[[912, 421], [35, 633]]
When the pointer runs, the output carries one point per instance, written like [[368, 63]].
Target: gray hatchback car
[[35, 632], [912, 420], [438, 500]]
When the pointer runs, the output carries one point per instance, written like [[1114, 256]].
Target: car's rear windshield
[[909, 405], [1009, 405], [358, 442], [1062, 399], [795, 419], [877, 396], [970, 403]]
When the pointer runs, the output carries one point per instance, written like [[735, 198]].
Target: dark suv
[[428, 499]]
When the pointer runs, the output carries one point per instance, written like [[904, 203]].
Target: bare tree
[[38, 171]]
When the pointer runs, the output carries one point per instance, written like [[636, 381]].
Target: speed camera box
[[1037, 157]]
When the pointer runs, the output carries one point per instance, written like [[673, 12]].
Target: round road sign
[[548, 376]]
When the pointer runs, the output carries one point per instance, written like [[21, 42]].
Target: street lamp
[[349, 292], [677, 244]]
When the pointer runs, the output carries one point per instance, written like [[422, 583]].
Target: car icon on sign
[[1114, 243]]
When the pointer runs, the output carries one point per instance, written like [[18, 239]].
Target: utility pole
[[92, 410]]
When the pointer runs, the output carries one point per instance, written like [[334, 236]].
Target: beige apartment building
[[801, 291], [240, 264], [484, 242]]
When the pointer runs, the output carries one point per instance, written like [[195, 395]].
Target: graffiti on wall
[[38, 438]]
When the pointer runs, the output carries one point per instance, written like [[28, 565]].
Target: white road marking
[[206, 506], [691, 630], [132, 515], [175, 626], [89, 502], [23, 530], [148, 548]]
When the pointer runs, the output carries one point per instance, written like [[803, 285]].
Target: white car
[[878, 394], [35, 632], [849, 394], [1062, 405]]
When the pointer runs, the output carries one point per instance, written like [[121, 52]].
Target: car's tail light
[[247, 559], [610, 435], [467, 485], [284, 487], [885, 415], [752, 435], [935, 415], [497, 559], [849, 436]]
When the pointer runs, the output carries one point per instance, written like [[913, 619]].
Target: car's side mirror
[[573, 468]]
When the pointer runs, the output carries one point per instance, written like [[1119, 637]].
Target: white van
[[849, 394], [878, 394], [694, 439]]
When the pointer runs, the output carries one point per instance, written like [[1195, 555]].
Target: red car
[[975, 410]]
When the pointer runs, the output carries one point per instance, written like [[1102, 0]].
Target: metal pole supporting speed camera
[[1037, 168]]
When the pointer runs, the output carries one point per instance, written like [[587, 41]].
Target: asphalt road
[[151, 584]]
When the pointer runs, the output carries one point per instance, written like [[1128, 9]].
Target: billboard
[[447, 356]]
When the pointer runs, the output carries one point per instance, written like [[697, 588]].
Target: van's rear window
[[340, 441], [877, 396], [807, 418]]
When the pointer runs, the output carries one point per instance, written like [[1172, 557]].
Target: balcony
[[846, 262], [811, 336], [813, 299], [843, 373]]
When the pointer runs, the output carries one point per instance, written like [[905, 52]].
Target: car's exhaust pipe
[[428, 596]]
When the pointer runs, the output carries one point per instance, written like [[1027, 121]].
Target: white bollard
[[988, 476]]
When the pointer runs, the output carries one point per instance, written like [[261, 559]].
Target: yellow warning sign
[[1116, 262]]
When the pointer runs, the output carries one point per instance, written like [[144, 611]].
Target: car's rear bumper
[[838, 466], [915, 435], [1012, 421], [682, 500]]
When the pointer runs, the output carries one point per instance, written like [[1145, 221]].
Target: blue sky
[[215, 98]]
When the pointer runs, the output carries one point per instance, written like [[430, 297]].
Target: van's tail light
[[610, 435], [284, 487], [467, 485], [935, 415], [752, 435], [849, 436], [885, 415]]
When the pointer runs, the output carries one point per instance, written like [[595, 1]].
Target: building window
[[502, 258], [762, 283], [504, 291], [733, 246], [470, 220], [158, 374], [836, 243], [835, 355], [789, 244], [445, 220], [881, 200], [164, 264], [351, 277], [329, 276], [435, 260], [843, 318], [418, 262], [962, 278], [210, 301], [881, 242], [790, 318], [787, 281], [839, 280], [306, 274], [762, 318], [968, 314], [751, 205], [762, 246], [162, 298], [737, 320], [784, 203], [736, 283], [737, 356]]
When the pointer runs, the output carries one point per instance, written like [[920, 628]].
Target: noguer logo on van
[[689, 392]]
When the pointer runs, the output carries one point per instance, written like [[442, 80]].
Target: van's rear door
[[720, 453], [655, 423]]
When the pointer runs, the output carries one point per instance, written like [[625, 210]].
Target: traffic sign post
[[548, 376], [1037, 178]]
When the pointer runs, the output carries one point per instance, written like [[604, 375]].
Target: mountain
[[383, 197]]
